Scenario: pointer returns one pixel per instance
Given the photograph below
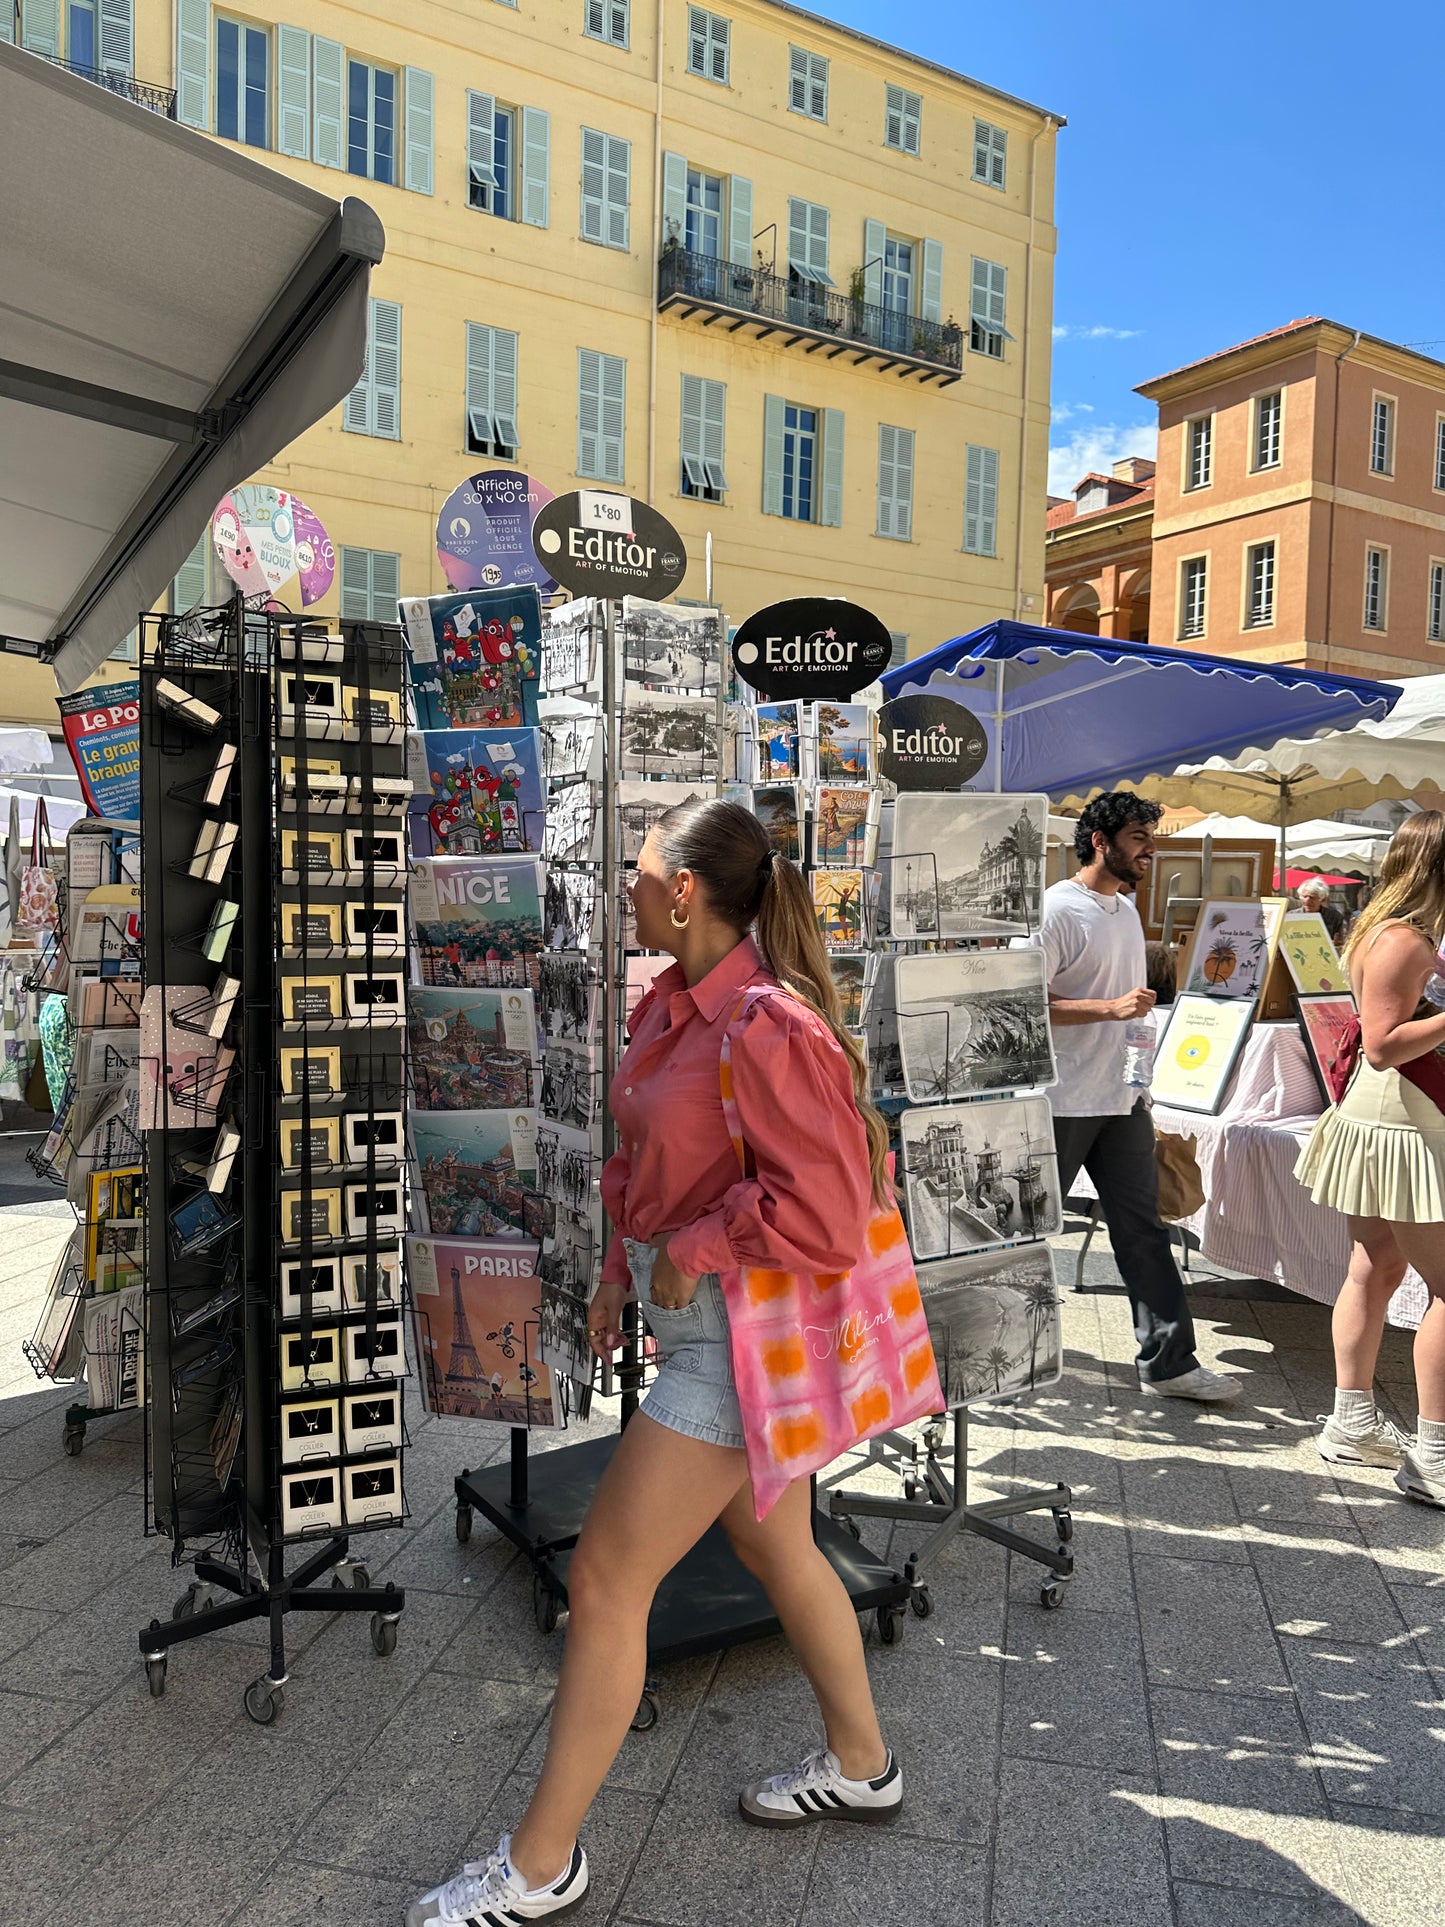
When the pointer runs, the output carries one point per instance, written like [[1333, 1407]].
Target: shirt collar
[[719, 989]]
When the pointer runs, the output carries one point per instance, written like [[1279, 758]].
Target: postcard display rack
[[272, 1071], [92, 1318], [632, 721]]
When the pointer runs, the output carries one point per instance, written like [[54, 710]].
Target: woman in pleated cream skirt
[[1378, 1155]]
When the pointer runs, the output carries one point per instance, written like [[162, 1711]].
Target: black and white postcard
[[667, 735], [994, 1322], [967, 864], [980, 1174], [973, 1021], [669, 647]]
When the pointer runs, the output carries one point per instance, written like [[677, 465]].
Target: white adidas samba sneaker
[[819, 1790], [491, 1893]]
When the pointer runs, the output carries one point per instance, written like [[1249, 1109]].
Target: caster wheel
[[156, 1676], [1064, 1526], [648, 1713], [185, 1606], [73, 1440], [1051, 1595], [263, 1701], [890, 1624], [464, 1524], [383, 1635], [545, 1609], [921, 1601], [910, 1486], [852, 1526], [351, 1576]]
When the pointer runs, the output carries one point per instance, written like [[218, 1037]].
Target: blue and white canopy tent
[[1069, 714]]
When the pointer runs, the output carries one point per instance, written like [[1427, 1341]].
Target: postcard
[[473, 658], [994, 1319], [666, 735], [844, 735], [967, 864], [478, 920], [471, 1049], [477, 1323], [668, 646], [477, 792], [980, 1174], [472, 1168], [971, 1022], [640, 804], [1229, 953], [845, 826], [838, 899]]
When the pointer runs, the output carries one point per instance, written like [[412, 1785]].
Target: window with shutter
[[1376, 565], [708, 44], [1435, 606], [703, 413], [1199, 452], [243, 82], [328, 101], [606, 20], [536, 166], [775, 411], [903, 120], [807, 83], [293, 100], [117, 37], [606, 166], [740, 221], [371, 100], [601, 415], [808, 242], [988, 309], [40, 27], [192, 582], [990, 153], [491, 425], [1268, 413], [830, 502], [1382, 436], [418, 130], [1193, 591], [980, 501], [370, 584], [895, 482], [374, 405], [1440, 451], [1259, 578], [193, 62]]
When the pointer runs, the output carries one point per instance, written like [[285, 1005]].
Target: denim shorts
[[693, 1392]]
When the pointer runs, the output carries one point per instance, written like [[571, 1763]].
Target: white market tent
[[24, 749], [174, 315], [1317, 844]]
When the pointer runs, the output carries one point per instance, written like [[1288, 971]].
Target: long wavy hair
[[724, 846], [1412, 882]]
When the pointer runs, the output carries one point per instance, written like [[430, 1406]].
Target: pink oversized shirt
[[675, 1180]]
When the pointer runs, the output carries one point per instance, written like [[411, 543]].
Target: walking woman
[[1379, 1156], [816, 1161]]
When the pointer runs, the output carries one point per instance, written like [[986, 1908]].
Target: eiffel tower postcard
[[477, 1329]]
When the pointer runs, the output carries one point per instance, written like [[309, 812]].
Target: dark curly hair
[[1111, 813]]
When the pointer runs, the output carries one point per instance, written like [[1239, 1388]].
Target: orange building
[[1299, 503], [1097, 554]]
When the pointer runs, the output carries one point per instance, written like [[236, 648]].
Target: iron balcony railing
[[790, 301], [159, 100]]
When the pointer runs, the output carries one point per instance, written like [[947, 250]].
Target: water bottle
[[1434, 991], [1140, 1039]]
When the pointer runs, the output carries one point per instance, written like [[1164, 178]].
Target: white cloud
[[1094, 448], [1065, 411], [1067, 331]]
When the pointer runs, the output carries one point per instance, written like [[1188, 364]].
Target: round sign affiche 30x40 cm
[[484, 532], [599, 542], [816, 647]]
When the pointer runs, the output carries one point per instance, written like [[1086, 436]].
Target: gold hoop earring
[[679, 923]]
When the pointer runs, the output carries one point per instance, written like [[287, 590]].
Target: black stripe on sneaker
[[574, 1869], [836, 1798], [800, 1801]]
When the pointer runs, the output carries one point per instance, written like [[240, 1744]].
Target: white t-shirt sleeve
[[1063, 939]]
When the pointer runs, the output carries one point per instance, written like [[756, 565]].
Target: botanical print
[[478, 1327], [477, 791], [980, 1174], [1309, 951], [838, 901], [1197, 1053], [666, 735], [1229, 956], [473, 1167], [668, 647], [967, 864], [844, 825], [994, 1322], [845, 741], [471, 1049], [973, 1021], [478, 920]]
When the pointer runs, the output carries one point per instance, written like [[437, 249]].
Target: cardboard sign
[[812, 646], [929, 743]]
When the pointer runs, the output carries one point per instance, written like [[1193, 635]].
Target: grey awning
[[172, 314]]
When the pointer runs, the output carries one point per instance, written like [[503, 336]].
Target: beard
[[1122, 868]]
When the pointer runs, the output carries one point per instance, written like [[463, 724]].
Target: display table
[[1257, 1219]]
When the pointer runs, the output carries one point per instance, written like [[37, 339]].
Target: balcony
[[158, 100], [818, 319]]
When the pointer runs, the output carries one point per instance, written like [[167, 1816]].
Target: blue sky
[[1226, 167]]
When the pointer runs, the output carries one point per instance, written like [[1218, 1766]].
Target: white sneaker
[[819, 1790], [1419, 1481], [491, 1893], [1210, 1388], [1380, 1443]]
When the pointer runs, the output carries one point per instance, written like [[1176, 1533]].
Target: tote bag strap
[[40, 836]]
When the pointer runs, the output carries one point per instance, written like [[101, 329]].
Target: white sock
[[1355, 1411], [1430, 1441]]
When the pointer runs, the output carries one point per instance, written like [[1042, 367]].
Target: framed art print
[[1324, 1016], [1229, 953], [1198, 1051], [1310, 954]]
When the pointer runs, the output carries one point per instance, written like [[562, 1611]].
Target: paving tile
[[110, 1766], [1375, 1721], [1206, 1625], [1423, 1608], [1392, 1864], [1078, 1843], [864, 1873], [922, 1690], [29, 1725], [647, 1760], [297, 1894], [1201, 1906], [1220, 1751], [1329, 1591], [78, 1562], [19, 1625], [44, 1855], [1074, 1693], [1182, 1509], [155, 1874], [1408, 1540]]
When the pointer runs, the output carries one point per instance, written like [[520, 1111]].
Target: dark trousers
[[1118, 1154]]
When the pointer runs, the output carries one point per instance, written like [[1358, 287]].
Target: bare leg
[[817, 1616], [658, 1496], [1424, 1248], [1377, 1266]]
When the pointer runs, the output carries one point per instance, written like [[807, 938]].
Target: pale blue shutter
[[385, 585], [40, 26], [980, 502], [594, 185], [193, 63], [479, 382], [887, 478], [356, 409], [328, 103], [355, 585], [116, 24], [589, 412], [740, 221], [619, 190], [536, 165], [189, 586], [875, 236], [818, 245], [601, 415], [674, 200], [481, 138], [614, 418], [418, 130], [714, 410], [773, 409], [798, 235], [7, 24], [930, 304], [504, 387], [830, 510], [690, 435], [903, 484], [386, 370], [293, 116]]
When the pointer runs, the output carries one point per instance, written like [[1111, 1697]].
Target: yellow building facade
[[790, 285]]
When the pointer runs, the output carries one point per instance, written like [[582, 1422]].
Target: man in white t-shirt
[[1094, 943]]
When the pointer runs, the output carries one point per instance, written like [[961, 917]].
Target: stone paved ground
[[1237, 1720]]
